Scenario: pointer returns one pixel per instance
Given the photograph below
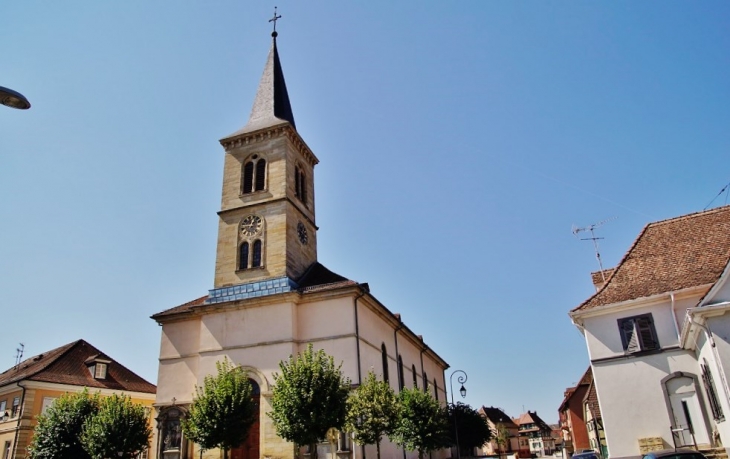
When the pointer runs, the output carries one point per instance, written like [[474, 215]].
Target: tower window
[[254, 175], [243, 256], [300, 184], [256, 258]]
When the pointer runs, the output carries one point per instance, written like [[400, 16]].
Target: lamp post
[[461, 380], [13, 99]]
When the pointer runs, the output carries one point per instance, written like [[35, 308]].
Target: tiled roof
[[67, 365], [585, 380], [592, 400], [669, 255], [531, 417], [496, 415]]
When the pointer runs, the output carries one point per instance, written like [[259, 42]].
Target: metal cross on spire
[[274, 19]]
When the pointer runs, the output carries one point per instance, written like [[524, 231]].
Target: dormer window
[[97, 367]]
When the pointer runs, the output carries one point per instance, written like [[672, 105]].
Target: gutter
[[364, 289], [20, 419]]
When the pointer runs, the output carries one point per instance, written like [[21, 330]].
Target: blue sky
[[459, 143]]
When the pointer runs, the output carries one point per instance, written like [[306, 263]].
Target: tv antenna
[[595, 239], [19, 354]]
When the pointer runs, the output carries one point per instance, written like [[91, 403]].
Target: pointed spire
[[271, 105]]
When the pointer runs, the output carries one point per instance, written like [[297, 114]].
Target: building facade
[[272, 297], [572, 416], [657, 336], [29, 388]]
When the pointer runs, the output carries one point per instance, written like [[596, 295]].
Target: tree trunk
[[377, 446], [420, 454], [313, 451], [225, 453]]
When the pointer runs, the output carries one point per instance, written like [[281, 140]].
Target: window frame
[[254, 175], [635, 330]]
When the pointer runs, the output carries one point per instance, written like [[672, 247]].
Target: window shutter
[[645, 328], [631, 341], [248, 177], [260, 174]]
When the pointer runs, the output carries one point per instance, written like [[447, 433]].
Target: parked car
[[590, 454], [674, 454]]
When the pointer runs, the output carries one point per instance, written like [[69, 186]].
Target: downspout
[[399, 367], [715, 353], [674, 316], [20, 419], [363, 291]]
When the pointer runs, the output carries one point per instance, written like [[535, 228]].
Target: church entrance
[[250, 448]]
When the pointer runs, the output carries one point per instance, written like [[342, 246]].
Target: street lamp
[[13, 99], [461, 380]]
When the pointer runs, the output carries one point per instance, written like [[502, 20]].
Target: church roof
[[315, 279], [670, 255], [271, 106], [68, 365]]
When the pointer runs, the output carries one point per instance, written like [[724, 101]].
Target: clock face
[[302, 233], [251, 225]]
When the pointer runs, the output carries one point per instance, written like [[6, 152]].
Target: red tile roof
[[67, 365], [669, 255]]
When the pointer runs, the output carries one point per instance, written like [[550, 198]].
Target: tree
[[371, 412], [473, 427], [422, 423], [119, 429], [57, 434], [222, 411], [308, 398], [501, 437]]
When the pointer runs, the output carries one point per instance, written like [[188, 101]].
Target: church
[[272, 297]]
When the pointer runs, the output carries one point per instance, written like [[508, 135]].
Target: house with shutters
[[30, 387], [658, 338]]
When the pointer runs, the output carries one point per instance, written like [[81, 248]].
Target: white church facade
[[271, 297]]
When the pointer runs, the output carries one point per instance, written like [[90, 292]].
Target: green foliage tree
[[119, 429], [222, 411], [57, 434], [501, 437], [473, 427], [422, 423], [309, 397], [372, 412]]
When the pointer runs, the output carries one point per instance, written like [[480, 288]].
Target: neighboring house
[[499, 422], [594, 421], [29, 388], [271, 297], [572, 421], [657, 336], [537, 434]]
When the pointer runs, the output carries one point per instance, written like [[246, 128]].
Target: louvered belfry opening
[[254, 175]]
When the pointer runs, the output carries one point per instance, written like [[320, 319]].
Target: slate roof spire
[[271, 105]]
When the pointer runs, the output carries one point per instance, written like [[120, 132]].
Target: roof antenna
[[725, 188], [19, 355], [595, 239]]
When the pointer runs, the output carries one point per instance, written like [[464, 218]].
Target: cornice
[[284, 129]]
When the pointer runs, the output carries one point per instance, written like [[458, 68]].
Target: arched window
[[256, 258], [254, 175], [435, 389], [243, 256], [300, 184], [425, 382], [415, 378], [401, 378], [384, 355]]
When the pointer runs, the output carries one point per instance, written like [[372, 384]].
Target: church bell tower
[[267, 234]]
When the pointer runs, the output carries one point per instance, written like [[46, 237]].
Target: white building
[[657, 336], [271, 296]]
